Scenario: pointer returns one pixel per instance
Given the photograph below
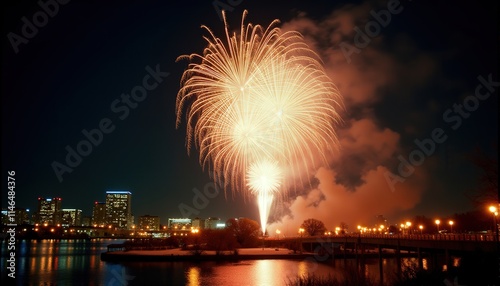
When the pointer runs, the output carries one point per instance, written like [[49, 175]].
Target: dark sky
[[65, 77]]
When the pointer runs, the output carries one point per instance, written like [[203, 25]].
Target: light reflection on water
[[77, 262], [61, 262], [193, 276], [257, 272]]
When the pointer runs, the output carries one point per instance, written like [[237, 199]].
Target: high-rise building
[[71, 217], [20, 216], [118, 208], [48, 211], [149, 222], [99, 214]]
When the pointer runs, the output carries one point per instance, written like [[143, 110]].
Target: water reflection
[[302, 269], [64, 262], [264, 272], [456, 261], [73, 262], [194, 276], [254, 272]]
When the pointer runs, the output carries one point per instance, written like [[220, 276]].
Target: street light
[[494, 212], [408, 225], [301, 232], [278, 232], [421, 228], [451, 226], [437, 223]]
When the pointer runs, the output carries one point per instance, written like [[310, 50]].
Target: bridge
[[445, 242], [434, 247]]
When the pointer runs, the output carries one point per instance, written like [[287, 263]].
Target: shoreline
[[242, 254]]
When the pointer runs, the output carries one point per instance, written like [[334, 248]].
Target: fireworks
[[260, 109]]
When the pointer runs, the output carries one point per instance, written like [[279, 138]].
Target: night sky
[[69, 75]]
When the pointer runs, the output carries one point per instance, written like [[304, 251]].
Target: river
[[77, 262]]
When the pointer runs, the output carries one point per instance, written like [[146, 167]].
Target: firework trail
[[260, 110]]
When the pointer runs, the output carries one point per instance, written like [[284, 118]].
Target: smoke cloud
[[353, 189]]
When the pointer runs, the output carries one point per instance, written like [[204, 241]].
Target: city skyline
[[61, 216], [88, 104], [50, 211]]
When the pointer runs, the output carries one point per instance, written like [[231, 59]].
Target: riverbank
[[241, 254], [187, 255]]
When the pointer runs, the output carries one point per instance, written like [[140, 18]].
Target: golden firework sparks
[[260, 110]]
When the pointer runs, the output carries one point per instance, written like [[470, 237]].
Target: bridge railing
[[450, 237]]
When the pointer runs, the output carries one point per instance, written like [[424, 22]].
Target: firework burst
[[260, 109]]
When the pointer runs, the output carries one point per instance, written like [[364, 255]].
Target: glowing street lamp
[[421, 227], [451, 226], [437, 223], [301, 232], [408, 225], [494, 212], [278, 233]]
